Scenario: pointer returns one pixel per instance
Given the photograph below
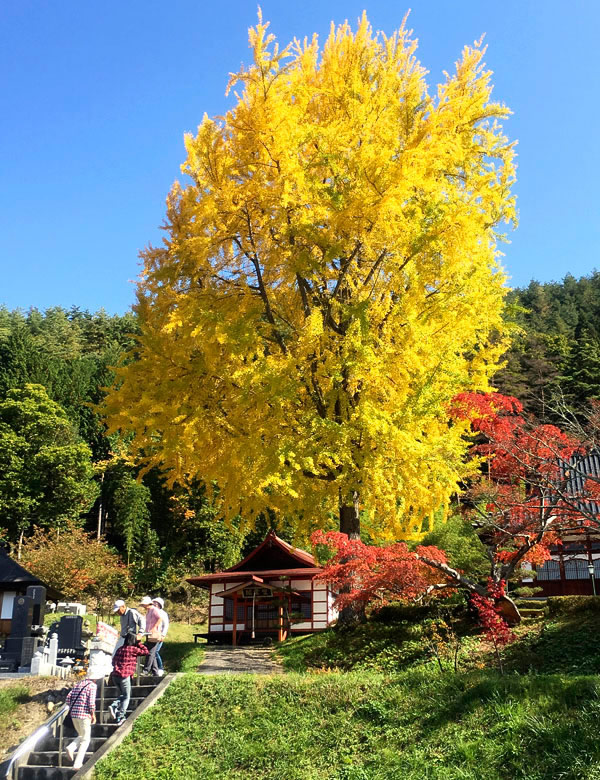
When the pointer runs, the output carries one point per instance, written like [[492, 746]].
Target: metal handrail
[[30, 743], [53, 723]]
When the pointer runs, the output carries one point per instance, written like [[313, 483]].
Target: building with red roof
[[273, 591]]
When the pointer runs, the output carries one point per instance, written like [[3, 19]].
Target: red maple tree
[[525, 497], [521, 498], [364, 573]]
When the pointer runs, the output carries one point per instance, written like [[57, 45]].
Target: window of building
[[549, 571], [576, 569], [229, 611], [302, 608]]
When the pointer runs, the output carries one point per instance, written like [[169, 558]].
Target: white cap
[[158, 601], [117, 605], [97, 672], [146, 601]]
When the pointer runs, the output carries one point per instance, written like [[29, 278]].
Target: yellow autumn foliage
[[328, 282]]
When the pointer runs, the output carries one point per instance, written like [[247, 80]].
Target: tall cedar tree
[[328, 282]]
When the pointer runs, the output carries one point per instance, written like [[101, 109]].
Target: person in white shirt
[[164, 627]]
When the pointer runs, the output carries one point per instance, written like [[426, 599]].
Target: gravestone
[[37, 594], [69, 635], [20, 624], [29, 646], [20, 628]]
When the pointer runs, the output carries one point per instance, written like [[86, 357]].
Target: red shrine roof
[[272, 558], [272, 547]]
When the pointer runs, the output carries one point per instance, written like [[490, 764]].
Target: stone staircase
[[532, 609], [48, 760]]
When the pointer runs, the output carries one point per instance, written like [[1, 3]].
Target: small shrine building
[[272, 592], [14, 581]]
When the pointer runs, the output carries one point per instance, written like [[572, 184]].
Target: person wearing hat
[[81, 701], [164, 627], [131, 621], [153, 634]]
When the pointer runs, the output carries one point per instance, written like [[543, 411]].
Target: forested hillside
[[556, 349], [54, 367], [169, 531]]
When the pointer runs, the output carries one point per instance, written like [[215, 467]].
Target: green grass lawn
[[10, 698], [180, 653], [371, 704], [563, 642], [367, 726]]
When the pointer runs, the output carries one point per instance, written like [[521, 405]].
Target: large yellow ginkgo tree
[[328, 282]]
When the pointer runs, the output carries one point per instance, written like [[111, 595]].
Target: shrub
[[527, 592], [76, 564], [399, 612], [569, 605]]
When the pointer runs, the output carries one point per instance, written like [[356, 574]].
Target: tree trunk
[[350, 525], [509, 610], [99, 526], [350, 517], [19, 548]]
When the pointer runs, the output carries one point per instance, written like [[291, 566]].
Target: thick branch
[[459, 579]]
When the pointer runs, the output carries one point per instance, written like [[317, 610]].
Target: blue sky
[[96, 96]]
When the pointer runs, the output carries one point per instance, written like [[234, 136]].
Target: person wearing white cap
[[131, 621], [164, 627], [153, 635], [82, 707]]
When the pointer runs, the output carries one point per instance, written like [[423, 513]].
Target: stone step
[[112, 692], [43, 763], [99, 730], [45, 773], [530, 612], [133, 703], [104, 730], [50, 744], [533, 602], [50, 758]]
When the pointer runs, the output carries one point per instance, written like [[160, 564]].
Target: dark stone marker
[[20, 624], [69, 634], [28, 648], [20, 627], [37, 594]]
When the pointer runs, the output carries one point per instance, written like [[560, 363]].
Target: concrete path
[[239, 660]]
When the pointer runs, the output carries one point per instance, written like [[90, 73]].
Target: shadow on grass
[[565, 645], [463, 694]]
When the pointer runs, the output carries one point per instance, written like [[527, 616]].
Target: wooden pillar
[[563, 576], [234, 637]]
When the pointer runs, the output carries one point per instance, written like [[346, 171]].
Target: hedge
[[567, 605]]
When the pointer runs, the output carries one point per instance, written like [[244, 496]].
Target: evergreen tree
[[582, 382], [46, 475]]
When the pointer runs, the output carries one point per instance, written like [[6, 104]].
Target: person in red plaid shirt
[[124, 663], [82, 706]]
